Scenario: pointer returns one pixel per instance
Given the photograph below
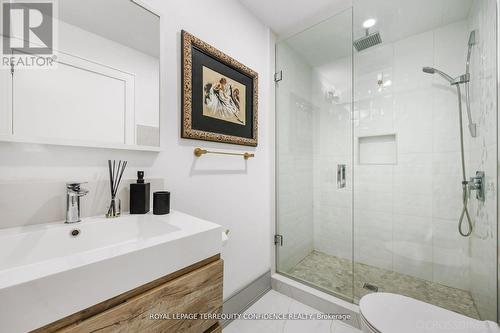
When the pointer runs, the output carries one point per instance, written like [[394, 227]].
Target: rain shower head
[[369, 40]]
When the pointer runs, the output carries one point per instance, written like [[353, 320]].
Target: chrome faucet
[[73, 194]]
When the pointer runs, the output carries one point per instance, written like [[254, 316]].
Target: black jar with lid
[[161, 203]]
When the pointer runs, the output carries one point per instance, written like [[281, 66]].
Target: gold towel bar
[[198, 152]]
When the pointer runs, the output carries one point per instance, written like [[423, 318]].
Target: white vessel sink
[[47, 274]]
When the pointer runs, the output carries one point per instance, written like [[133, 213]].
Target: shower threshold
[[335, 274]]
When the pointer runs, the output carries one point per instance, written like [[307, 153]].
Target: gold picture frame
[[197, 54]]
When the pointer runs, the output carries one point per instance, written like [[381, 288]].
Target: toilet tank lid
[[392, 313]]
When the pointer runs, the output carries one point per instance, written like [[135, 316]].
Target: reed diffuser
[[115, 177]]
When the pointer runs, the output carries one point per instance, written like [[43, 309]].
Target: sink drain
[[74, 232]]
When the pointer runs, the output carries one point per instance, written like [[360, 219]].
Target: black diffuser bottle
[[139, 195]]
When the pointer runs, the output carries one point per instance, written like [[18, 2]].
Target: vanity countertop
[[47, 273]]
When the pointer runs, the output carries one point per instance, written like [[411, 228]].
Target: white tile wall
[[332, 146], [450, 255], [373, 237], [413, 119], [410, 55], [418, 168], [412, 245]]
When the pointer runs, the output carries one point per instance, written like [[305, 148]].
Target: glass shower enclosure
[[369, 149]]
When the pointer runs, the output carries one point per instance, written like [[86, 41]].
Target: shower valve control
[[476, 183]]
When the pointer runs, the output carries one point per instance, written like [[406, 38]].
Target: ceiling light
[[369, 23]]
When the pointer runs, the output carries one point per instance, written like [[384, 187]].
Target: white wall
[[226, 190]]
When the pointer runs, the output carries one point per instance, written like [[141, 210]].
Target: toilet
[[392, 313]]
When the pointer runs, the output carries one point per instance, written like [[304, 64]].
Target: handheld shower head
[[431, 70], [472, 38]]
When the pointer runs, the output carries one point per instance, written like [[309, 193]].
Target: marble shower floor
[[335, 274]]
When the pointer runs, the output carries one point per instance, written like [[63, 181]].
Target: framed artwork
[[219, 95]]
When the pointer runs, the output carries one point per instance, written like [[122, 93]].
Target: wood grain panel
[[197, 292], [120, 299]]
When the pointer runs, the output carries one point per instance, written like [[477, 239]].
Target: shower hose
[[465, 184]]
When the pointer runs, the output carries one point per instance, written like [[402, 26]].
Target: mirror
[[102, 89]]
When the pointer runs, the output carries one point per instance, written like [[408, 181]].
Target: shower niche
[[377, 149]]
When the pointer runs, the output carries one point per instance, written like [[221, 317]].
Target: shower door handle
[[340, 175]]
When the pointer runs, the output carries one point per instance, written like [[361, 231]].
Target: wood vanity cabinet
[[194, 289]]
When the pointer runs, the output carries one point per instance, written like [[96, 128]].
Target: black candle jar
[[161, 203]]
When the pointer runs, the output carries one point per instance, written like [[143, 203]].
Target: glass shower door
[[314, 156], [369, 154]]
